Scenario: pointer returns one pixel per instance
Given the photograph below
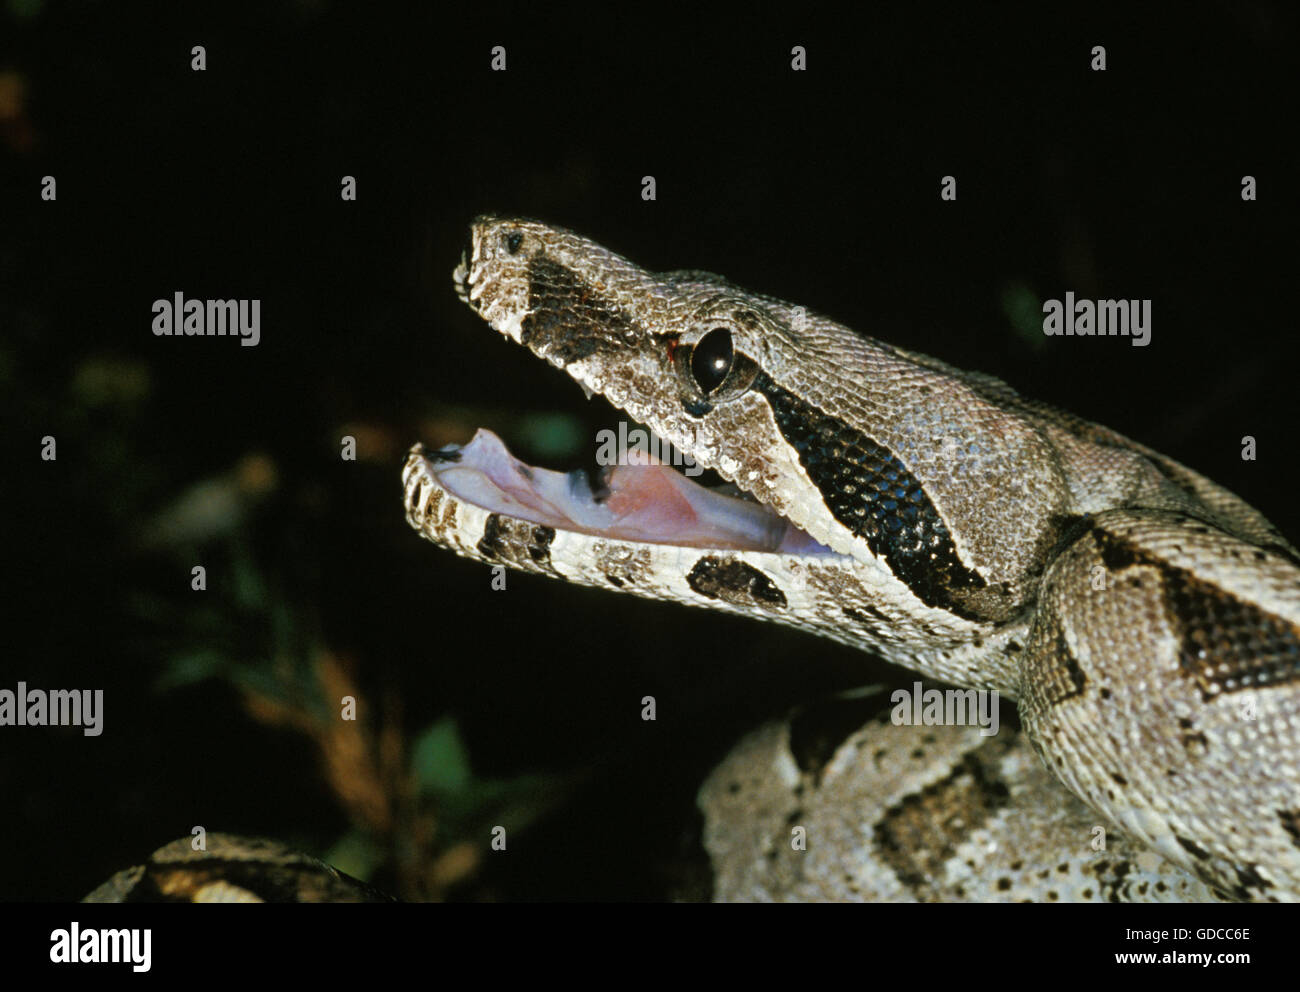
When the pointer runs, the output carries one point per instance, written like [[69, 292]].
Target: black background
[[821, 187]]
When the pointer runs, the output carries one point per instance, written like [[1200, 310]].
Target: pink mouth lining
[[646, 502]]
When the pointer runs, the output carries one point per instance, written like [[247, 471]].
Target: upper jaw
[[495, 288], [468, 276]]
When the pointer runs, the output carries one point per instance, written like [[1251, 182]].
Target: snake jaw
[[640, 500], [798, 445], [612, 327]]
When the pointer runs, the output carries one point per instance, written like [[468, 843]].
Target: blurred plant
[[418, 813]]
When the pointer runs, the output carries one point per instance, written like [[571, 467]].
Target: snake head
[[874, 453], [681, 352]]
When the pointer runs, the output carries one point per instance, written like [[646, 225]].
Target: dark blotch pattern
[[1116, 554], [918, 834], [1250, 883], [1290, 820], [539, 548], [871, 493], [1192, 848], [1062, 679], [1229, 645], [1077, 680], [568, 320], [1226, 643], [735, 582], [491, 544], [516, 542]]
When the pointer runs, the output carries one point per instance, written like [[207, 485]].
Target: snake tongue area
[[646, 501]]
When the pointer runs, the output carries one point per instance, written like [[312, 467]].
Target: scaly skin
[[1144, 618]]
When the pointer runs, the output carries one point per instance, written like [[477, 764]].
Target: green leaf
[[440, 759]]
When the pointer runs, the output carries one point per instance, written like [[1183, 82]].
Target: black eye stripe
[[872, 493]]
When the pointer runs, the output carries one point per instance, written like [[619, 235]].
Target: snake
[[1142, 619]]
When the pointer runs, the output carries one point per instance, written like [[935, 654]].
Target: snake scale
[[1142, 618]]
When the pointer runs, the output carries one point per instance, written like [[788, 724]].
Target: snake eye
[[513, 240], [712, 369], [711, 359]]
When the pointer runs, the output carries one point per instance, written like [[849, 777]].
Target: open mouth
[[640, 499], [636, 499]]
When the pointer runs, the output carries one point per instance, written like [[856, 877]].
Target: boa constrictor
[[1143, 619]]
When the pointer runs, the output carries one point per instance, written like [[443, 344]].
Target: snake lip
[[461, 278]]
